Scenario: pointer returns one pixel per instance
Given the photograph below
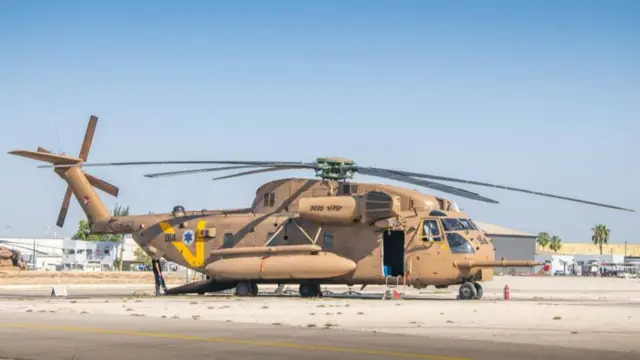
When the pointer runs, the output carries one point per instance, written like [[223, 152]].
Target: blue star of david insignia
[[187, 237]]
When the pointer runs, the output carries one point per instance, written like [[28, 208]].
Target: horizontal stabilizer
[[47, 157]]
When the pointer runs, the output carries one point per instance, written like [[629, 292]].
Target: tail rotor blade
[[88, 138], [65, 207], [103, 185]]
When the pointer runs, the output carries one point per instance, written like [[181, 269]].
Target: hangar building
[[510, 244]]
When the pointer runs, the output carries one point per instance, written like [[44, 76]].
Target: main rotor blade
[[169, 162], [255, 172], [503, 187], [202, 170], [437, 186]]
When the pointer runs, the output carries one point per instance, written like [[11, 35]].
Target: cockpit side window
[[430, 228], [468, 224], [453, 224], [458, 244]]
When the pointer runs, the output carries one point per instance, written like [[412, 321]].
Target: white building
[[89, 255], [48, 251]]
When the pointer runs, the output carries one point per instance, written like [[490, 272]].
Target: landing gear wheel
[[254, 289], [479, 291], [309, 290], [467, 291], [244, 288]]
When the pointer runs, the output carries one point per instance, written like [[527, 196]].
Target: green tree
[[84, 232], [555, 243], [600, 235], [543, 240], [142, 256]]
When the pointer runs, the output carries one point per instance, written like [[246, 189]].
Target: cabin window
[[458, 244], [430, 228], [228, 240], [328, 240]]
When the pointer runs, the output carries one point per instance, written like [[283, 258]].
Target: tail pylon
[[79, 183]]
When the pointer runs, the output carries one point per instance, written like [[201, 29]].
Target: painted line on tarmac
[[231, 341]]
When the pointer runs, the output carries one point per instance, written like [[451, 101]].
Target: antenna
[[55, 124]]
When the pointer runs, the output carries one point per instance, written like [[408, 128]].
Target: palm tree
[[543, 240], [555, 243], [600, 235]]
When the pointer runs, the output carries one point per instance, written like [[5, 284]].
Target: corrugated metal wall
[[514, 248]]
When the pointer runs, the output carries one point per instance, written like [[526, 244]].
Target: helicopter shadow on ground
[[330, 295]]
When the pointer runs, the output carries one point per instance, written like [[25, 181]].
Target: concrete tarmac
[[48, 336]]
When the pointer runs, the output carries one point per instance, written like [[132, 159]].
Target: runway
[[49, 336]]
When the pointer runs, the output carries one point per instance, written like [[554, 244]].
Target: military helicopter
[[304, 231]]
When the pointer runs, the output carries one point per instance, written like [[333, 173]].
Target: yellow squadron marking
[[194, 260], [245, 342]]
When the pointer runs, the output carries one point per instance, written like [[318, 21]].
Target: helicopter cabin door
[[393, 253]]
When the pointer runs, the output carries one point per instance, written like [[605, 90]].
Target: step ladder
[[391, 290]]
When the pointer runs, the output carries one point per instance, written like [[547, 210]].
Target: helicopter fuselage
[[359, 237]]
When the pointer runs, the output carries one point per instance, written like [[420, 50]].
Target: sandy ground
[[17, 277], [595, 313]]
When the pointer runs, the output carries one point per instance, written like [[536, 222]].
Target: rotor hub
[[335, 168]]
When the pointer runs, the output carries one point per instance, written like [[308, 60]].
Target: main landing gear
[[247, 288], [470, 290], [310, 290]]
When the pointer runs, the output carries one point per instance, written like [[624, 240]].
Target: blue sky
[[536, 94]]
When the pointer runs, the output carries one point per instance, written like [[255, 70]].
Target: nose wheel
[[470, 291]]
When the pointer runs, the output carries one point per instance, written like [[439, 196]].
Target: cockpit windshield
[[452, 224]]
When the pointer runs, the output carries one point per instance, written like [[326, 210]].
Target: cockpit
[[457, 243]]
